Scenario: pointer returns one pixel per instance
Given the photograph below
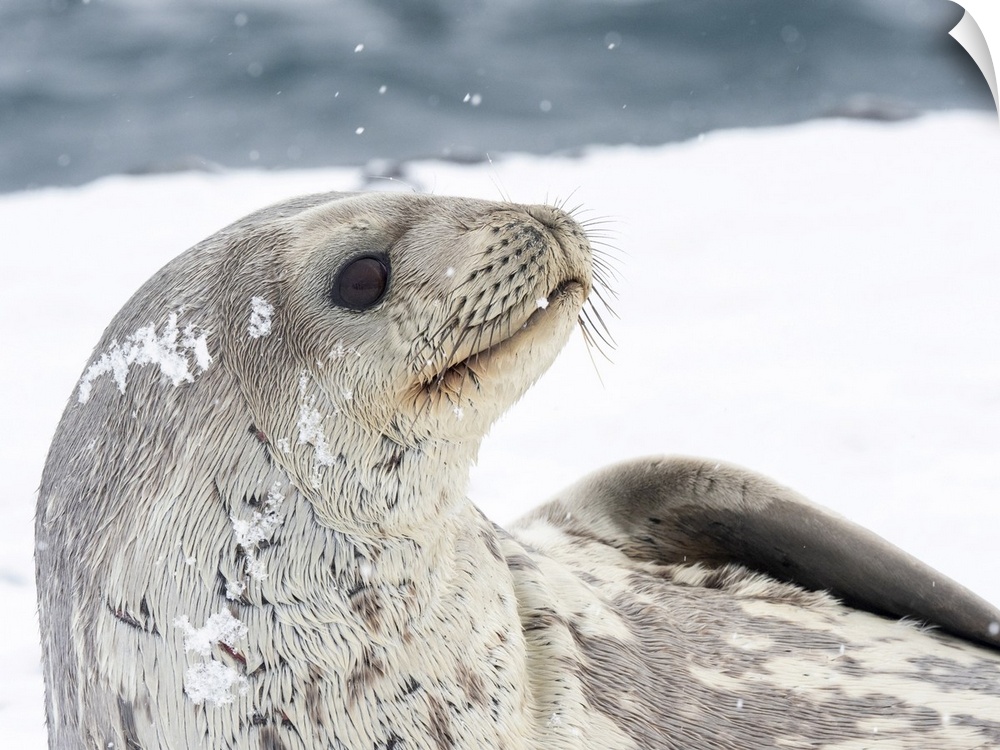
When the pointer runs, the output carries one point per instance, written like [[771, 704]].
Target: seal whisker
[[600, 330], [590, 346], [609, 274], [598, 293], [594, 339]]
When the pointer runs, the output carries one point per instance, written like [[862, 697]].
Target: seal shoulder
[[678, 510]]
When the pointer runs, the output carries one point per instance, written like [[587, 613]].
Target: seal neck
[[376, 489], [361, 478], [414, 609]]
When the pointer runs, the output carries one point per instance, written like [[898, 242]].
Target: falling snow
[[250, 534], [555, 721], [261, 312], [235, 589], [339, 350], [311, 432], [171, 351], [213, 682], [221, 627]]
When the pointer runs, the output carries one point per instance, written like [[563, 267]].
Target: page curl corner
[[979, 24]]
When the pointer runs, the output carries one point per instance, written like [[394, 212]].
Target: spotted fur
[[252, 529], [696, 655]]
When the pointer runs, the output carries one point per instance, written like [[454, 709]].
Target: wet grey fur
[[252, 530]]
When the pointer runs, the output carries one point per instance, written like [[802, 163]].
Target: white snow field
[[817, 302]]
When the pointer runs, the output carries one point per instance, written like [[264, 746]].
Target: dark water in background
[[91, 88]]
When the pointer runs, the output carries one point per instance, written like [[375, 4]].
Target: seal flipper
[[676, 510]]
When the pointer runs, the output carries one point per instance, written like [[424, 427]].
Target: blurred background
[[93, 87]]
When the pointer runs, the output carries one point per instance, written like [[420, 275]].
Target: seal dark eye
[[361, 282]]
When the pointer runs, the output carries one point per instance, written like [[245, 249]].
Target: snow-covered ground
[[818, 302]]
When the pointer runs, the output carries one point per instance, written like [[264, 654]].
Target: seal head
[[253, 522]]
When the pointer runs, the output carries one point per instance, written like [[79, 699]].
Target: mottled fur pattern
[[252, 528], [687, 656]]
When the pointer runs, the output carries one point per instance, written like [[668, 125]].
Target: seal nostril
[[361, 282]]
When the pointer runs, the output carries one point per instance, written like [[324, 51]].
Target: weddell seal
[[252, 528]]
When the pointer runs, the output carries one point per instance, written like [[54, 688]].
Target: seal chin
[[495, 359]]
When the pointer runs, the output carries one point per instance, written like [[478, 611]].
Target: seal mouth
[[473, 367]]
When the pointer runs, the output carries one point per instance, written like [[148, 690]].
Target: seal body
[[252, 528], [649, 578]]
